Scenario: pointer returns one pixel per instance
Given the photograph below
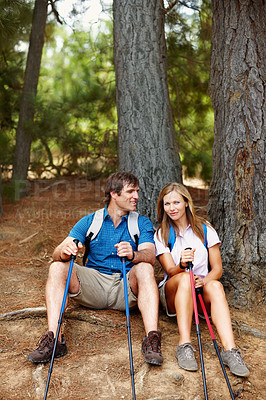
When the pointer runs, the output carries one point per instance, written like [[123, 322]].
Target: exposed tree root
[[81, 315], [93, 318]]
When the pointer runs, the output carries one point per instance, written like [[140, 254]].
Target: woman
[[175, 212]]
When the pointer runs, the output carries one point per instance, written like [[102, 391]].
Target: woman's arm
[[215, 261], [168, 265]]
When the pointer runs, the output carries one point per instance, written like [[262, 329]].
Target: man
[[98, 285]]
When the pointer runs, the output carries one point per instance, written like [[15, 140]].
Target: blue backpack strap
[[171, 240], [205, 235]]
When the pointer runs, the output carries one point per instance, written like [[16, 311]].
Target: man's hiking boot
[[185, 357], [151, 348], [44, 351], [233, 359]]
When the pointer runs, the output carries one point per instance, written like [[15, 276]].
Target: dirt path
[[97, 364]]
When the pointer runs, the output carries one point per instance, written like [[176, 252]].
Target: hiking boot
[[185, 357], [151, 348], [233, 359], [44, 351]]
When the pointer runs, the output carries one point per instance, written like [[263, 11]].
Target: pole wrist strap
[[65, 261], [131, 259], [180, 265]]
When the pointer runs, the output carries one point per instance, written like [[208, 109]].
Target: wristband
[[180, 265], [131, 259], [65, 261]]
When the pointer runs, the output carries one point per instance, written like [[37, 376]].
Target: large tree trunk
[[27, 107], [147, 144], [1, 204], [237, 194]]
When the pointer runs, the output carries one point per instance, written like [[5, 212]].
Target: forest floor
[[97, 364]]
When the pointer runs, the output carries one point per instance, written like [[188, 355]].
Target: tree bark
[[1, 204], [237, 194], [27, 108], [146, 138]]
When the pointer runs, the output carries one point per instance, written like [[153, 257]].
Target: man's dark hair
[[116, 181]]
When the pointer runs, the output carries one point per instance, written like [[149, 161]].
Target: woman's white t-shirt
[[189, 239]]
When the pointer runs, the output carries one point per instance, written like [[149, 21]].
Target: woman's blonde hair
[[165, 221]]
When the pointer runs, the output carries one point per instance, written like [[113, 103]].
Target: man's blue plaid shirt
[[103, 254]]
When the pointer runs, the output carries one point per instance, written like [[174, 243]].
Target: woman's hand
[[187, 256], [198, 281]]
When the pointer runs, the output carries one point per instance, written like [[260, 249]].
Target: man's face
[[127, 200]]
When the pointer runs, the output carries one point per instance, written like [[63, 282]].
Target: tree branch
[[182, 3], [55, 12]]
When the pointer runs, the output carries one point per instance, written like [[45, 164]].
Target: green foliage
[[15, 20], [75, 122], [15, 24], [75, 127], [188, 44]]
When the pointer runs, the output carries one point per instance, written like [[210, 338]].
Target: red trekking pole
[[199, 294], [196, 315]]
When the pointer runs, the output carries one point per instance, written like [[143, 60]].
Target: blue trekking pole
[[72, 258], [128, 327], [196, 315], [199, 294]]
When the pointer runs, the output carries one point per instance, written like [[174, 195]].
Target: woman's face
[[175, 206]]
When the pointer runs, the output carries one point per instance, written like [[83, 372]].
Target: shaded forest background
[[75, 124]]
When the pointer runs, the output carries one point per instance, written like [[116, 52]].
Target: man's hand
[[124, 249], [70, 248], [66, 248]]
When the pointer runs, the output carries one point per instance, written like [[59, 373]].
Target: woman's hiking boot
[[185, 357], [233, 359], [44, 351], [151, 348]]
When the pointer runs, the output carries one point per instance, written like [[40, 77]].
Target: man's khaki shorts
[[102, 291]]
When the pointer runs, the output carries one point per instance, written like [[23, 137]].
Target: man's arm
[[145, 252]]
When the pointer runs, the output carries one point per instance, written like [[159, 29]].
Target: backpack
[[95, 227], [171, 240]]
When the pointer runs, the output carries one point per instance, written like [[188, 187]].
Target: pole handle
[[199, 290], [73, 257], [189, 263]]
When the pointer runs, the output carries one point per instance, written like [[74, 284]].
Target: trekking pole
[[72, 258], [128, 328], [199, 294], [190, 266]]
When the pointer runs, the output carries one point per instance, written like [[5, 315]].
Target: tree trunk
[[237, 194], [146, 138], [1, 204], [27, 107]]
